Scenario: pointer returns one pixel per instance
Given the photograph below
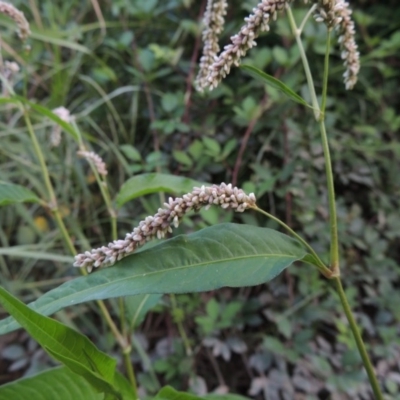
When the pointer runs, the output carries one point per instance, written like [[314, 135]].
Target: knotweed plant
[[234, 255], [18, 17], [336, 15], [158, 225]]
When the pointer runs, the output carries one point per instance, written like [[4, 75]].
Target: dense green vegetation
[[125, 71]]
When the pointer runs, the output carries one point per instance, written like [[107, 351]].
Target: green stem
[[334, 257], [326, 74], [320, 116], [357, 336], [179, 324], [321, 266], [123, 343], [310, 82], [130, 372], [332, 206], [102, 185], [305, 19], [328, 167], [52, 197], [126, 348]]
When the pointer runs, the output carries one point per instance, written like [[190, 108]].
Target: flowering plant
[[222, 255]]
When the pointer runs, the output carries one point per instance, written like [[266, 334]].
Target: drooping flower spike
[[96, 159], [255, 23], [213, 22], [159, 225], [336, 14], [18, 17], [64, 114]]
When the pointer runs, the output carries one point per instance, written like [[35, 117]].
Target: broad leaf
[[143, 184], [275, 83], [58, 384], [76, 351], [221, 255], [11, 193], [169, 393]]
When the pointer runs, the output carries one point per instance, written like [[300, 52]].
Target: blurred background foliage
[[125, 70]]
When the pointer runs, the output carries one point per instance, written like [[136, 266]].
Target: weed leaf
[[11, 193], [54, 384], [143, 184], [66, 345], [169, 393], [276, 83], [222, 255]]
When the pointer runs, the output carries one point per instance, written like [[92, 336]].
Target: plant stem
[[328, 167], [305, 19], [310, 82], [321, 266], [320, 117], [102, 183], [357, 336], [181, 329], [123, 343], [319, 113], [332, 206], [326, 74], [52, 198], [129, 371], [125, 346]]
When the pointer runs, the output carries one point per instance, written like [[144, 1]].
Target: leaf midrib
[[181, 267]]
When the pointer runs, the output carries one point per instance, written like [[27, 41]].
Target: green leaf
[[65, 344], [41, 110], [11, 193], [50, 36], [227, 396], [169, 393], [55, 384], [91, 376], [276, 83], [212, 146], [58, 384], [182, 158], [131, 152], [222, 255], [138, 306], [141, 185]]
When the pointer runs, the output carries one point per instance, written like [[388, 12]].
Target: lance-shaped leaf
[[18, 100], [275, 83], [169, 393], [54, 384], [222, 255], [11, 193], [58, 384], [66, 345], [143, 184]]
